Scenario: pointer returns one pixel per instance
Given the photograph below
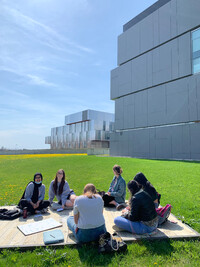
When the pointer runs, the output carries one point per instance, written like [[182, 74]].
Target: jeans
[[133, 227], [85, 235]]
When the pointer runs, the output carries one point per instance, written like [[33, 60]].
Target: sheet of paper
[[32, 228]]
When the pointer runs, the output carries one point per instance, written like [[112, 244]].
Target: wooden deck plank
[[11, 236]]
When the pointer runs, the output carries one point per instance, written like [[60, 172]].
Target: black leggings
[[107, 199], [24, 203]]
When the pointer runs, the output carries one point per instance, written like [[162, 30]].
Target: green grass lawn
[[177, 181]]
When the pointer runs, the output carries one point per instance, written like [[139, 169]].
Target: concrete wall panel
[[156, 35], [125, 78], [173, 24], [195, 140], [119, 110], [184, 48], [140, 109], [114, 83], [164, 23], [198, 95], [156, 105], [181, 142], [175, 59], [193, 101], [187, 14], [146, 33], [133, 47], [163, 142], [122, 48], [141, 145], [152, 143], [177, 102]]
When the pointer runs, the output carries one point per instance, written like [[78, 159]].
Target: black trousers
[[107, 199], [24, 203]]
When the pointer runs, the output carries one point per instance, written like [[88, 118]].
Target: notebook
[[52, 237]]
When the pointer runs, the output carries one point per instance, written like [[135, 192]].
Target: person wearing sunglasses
[[59, 187]]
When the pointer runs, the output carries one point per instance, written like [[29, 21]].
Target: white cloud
[[44, 33], [39, 81]]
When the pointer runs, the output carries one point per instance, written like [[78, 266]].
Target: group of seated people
[[138, 216]]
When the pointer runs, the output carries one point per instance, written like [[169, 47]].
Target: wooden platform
[[12, 237]]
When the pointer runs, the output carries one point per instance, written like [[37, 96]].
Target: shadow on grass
[[159, 247], [89, 256]]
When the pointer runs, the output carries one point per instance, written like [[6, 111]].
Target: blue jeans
[[85, 235], [133, 227]]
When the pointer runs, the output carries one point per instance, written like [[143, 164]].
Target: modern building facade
[[156, 86], [85, 129]]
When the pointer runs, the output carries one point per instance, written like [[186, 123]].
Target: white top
[[90, 211]]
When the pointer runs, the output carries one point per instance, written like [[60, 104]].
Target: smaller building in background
[[85, 129]]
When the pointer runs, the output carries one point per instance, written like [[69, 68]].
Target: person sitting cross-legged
[[59, 187], [117, 191], [142, 217], [88, 222], [33, 197]]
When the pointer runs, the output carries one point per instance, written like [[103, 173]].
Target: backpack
[[163, 214], [10, 215]]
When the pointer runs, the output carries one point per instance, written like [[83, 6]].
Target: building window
[[196, 51]]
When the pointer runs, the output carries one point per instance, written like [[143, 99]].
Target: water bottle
[[25, 212]]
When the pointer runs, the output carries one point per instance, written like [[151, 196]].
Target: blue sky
[[55, 59]]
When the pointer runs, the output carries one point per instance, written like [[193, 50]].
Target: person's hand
[[124, 210], [108, 193], [37, 204], [63, 206], [34, 205]]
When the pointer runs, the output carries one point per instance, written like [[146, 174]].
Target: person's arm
[[134, 212], [65, 193], [121, 189], [51, 193], [110, 188], [76, 211], [41, 193], [76, 216]]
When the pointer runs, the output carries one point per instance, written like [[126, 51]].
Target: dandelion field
[[177, 181]]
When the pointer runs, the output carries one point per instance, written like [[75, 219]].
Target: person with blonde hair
[[117, 191], [88, 222], [59, 187]]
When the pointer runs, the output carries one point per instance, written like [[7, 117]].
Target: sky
[[55, 59]]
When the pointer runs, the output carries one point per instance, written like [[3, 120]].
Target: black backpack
[[10, 215]]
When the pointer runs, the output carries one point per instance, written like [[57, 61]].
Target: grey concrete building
[[156, 86], [85, 129]]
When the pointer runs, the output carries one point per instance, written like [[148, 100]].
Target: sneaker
[[121, 206]]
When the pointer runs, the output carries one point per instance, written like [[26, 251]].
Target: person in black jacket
[[142, 217], [148, 187]]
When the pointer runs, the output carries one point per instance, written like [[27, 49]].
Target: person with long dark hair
[[33, 196], [148, 187], [59, 187], [142, 217], [88, 222], [117, 191]]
